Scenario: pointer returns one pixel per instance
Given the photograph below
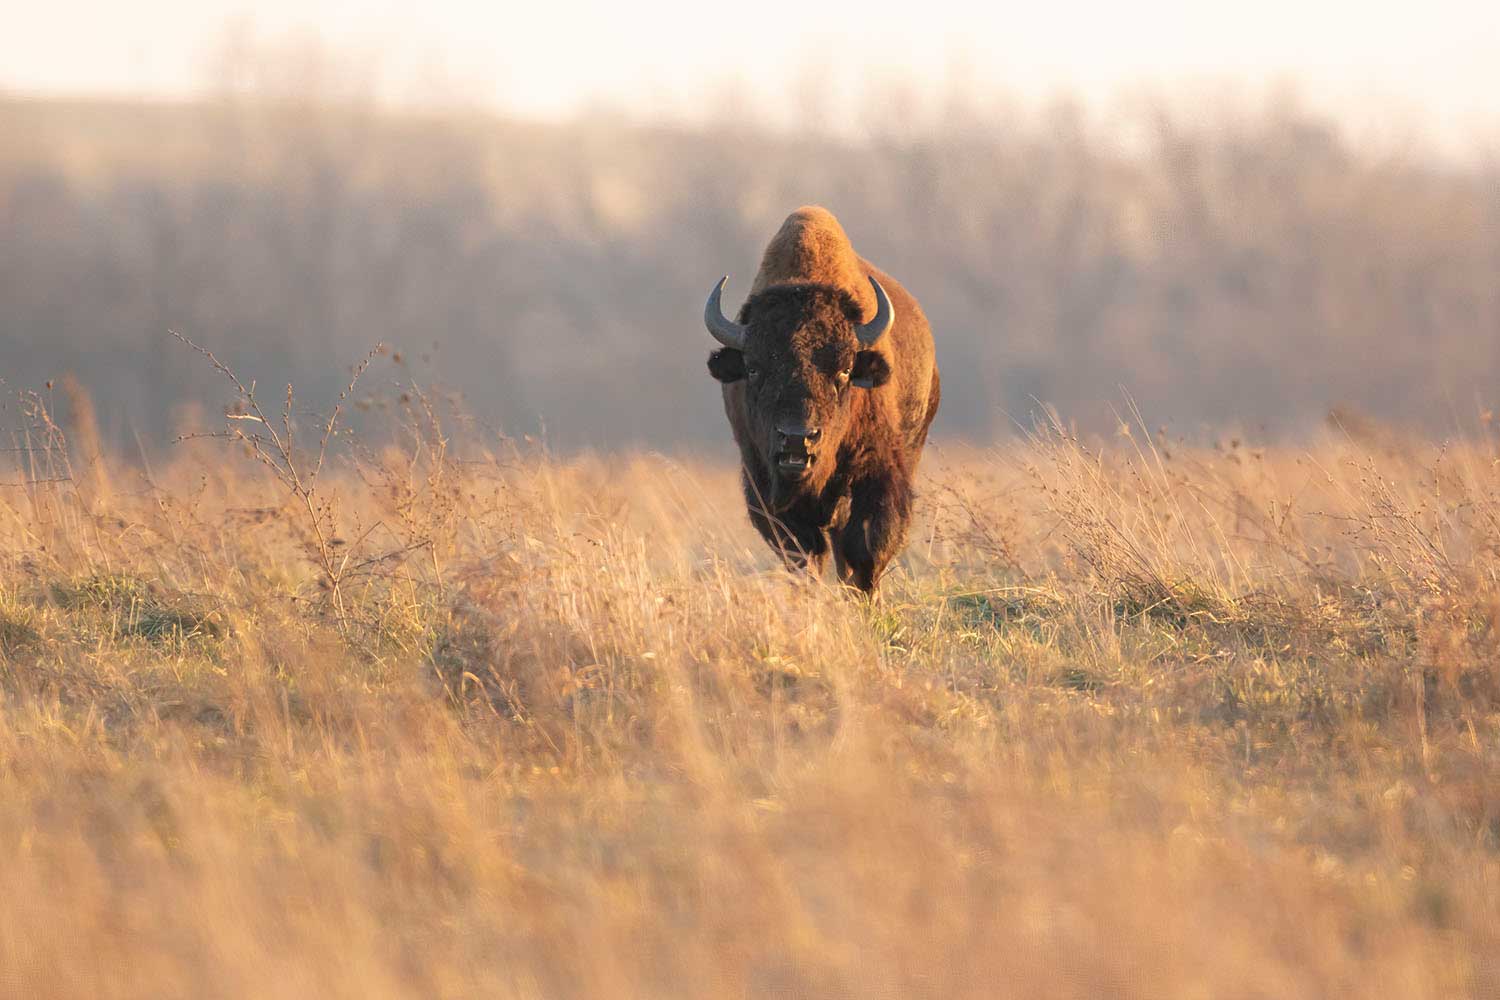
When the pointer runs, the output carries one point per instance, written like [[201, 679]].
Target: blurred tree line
[[1251, 269]]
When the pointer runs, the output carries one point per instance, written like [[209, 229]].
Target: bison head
[[804, 358]]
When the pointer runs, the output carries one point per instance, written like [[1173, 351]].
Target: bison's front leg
[[797, 534], [802, 546], [879, 513]]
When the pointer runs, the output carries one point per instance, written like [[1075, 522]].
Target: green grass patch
[[128, 607]]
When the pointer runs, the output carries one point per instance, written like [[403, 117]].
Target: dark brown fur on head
[[802, 366]]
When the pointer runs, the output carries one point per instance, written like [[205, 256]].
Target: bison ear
[[727, 365], [870, 370]]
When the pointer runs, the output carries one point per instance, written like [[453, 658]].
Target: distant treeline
[[1254, 271]]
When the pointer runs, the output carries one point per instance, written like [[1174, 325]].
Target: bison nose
[[798, 432]]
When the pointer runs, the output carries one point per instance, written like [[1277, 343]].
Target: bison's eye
[[752, 373]]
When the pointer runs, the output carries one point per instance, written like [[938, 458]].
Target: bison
[[830, 383]]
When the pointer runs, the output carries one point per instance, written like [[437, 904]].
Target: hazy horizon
[[1377, 68], [1218, 250]]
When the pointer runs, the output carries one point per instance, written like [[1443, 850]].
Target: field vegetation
[[295, 712]]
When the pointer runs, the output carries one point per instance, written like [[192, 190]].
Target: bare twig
[[277, 451]]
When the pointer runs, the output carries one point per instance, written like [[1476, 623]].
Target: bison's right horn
[[885, 315], [724, 330]]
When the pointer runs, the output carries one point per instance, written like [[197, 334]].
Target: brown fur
[[812, 248], [811, 292]]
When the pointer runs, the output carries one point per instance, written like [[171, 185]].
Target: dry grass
[[1156, 722]]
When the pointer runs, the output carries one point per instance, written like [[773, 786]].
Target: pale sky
[[1436, 62]]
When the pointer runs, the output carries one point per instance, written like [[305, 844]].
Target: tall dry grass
[[1130, 719]]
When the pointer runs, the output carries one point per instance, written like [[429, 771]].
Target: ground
[[1129, 719]]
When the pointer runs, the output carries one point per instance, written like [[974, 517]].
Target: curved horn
[[885, 315], [723, 329]]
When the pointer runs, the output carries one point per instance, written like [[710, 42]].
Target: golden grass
[[1156, 722]]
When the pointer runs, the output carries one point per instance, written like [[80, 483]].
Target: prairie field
[[435, 713]]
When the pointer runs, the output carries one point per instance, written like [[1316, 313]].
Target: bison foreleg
[[802, 546], [879, 513]]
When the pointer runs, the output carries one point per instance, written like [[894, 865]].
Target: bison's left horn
[[724, 330], [872, 331]]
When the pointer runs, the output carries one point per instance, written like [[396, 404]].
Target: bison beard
[[830, 408]]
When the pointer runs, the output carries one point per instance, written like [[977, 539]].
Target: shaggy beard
[[786, 491]]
